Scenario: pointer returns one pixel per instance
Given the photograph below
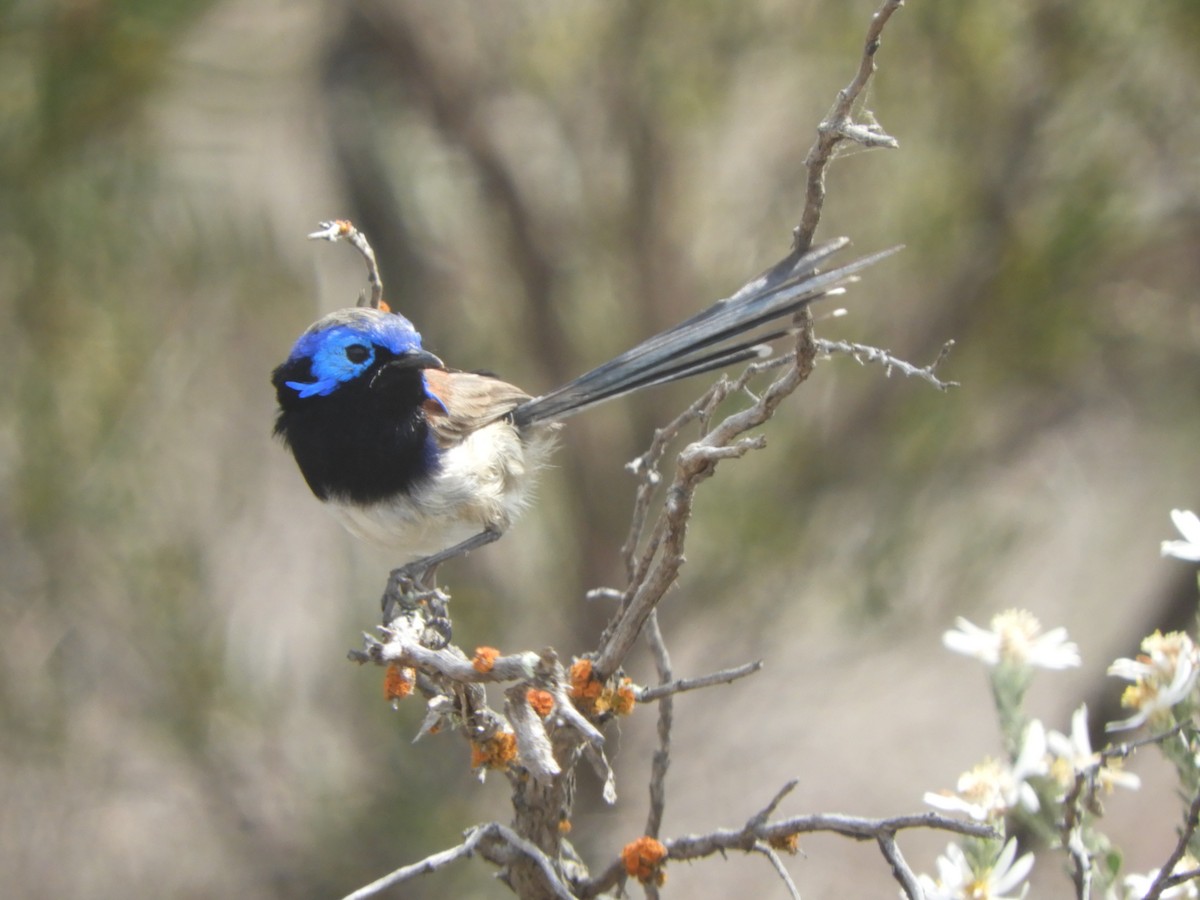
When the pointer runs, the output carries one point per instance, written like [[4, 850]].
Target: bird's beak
[[417, 359], [410, 359]]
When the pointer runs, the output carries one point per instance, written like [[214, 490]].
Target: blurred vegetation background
[[545, 183]]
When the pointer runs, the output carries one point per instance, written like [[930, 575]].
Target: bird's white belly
[[484, 482]]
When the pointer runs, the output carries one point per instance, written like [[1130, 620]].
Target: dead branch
[[725, 676], [552, 718], [495, 842], [661, 761], [663, 556], [782, 833], [344, 230], [429, 864], [838, 126], [863, 354]]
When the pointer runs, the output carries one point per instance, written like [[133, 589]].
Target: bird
[[430, 462]]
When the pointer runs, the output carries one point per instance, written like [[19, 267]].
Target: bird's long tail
[[724, 334]]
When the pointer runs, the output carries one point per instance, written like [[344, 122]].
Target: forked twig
[[864, 353], [838, 126], [344, 230]]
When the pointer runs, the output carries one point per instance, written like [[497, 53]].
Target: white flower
[[1015, 637], [1189, 526], [992, 788], [1074, 757], [1163, 675], [957, 881]]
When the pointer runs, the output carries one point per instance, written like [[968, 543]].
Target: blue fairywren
[[429, 461]]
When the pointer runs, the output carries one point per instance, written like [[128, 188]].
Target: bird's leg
[[413, 584], [420, 571]]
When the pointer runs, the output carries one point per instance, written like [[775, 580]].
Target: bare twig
[[646, 467], [769, 852], [344, 230], [838, 126], [725, 676], [429, 864], [760, 817], [659, 564], [1127, 748], [612, 876], [1071, 834], [1181, 878], [661, 760], [1190, 825], [901, 871], [696, 846], [863, 353], [498, 843]]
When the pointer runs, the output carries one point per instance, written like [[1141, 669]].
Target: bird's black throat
[[366, 441]]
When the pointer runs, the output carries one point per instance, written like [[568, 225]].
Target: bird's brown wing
[[462, 402]]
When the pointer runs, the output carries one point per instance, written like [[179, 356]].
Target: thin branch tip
[[335, 230]]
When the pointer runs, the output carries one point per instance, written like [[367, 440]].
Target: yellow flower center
[[1017, 629]]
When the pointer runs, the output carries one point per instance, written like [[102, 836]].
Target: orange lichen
[[592, 696], [789, 843], [541, 701], [585, 689], [485, 658], [479, 755], [583, 684], [496, 752], [564, 826], [644, 859], [398, 682], [624, 697]]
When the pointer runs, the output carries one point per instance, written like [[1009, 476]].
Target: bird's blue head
[[353, 401], [348, 345]]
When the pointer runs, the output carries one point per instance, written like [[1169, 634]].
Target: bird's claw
[[410, 592]]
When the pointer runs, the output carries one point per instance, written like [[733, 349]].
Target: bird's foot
[[411, 591], [411, 587]]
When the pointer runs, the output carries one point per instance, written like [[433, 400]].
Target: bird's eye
[[357, 353]]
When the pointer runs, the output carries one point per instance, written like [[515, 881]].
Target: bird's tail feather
[[712, 339]]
